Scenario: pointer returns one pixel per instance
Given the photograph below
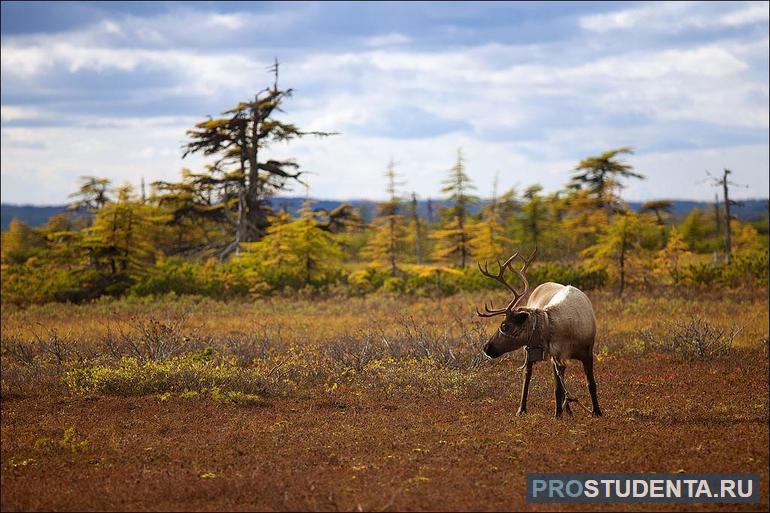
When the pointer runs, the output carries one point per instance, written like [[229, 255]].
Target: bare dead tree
[[725, 184], [717, 216]]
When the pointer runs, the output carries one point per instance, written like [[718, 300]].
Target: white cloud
[[391, 39], [673, 17], [707, 83], [196, 46], [14, 113], [227, 21], [755, 12], [25, 61], [197, 73], [45, 175], [533, 109]]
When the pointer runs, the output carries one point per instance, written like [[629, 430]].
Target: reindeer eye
[[504, 327]]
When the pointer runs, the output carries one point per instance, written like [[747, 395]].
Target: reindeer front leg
[[525, 388]]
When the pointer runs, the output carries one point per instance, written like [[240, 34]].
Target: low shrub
[[184, 277], [745, 270], [390, 370], [189, 372], [699, 339]]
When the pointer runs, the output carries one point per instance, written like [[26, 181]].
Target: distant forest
[[745, 210], [227, 230]]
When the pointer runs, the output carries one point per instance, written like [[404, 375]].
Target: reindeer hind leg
[[588, 367]]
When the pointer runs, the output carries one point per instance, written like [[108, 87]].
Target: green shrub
[[183, 374], [265, 280], [364, 281], [39, 281], [234, 396], [183, 277], [169, 275], [745, 270], [748, 269], [394, 284]]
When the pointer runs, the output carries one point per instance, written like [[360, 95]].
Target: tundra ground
[[446, 437]]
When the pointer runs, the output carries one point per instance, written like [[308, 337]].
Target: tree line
[[214, 231]]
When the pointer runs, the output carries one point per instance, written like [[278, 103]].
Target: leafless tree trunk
[[417, 230], [717, 216], [728, 217]]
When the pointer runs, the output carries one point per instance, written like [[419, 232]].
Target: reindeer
[[558, 321]]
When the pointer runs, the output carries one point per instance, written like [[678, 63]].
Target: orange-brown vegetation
[[375, 403]]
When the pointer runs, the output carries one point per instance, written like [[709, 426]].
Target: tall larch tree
[[698, 232], [489, 241], [533, 212], [387, 229], [294, 252], [243, 179], [601, 176], [620, 249], [124, 235], [661, 210], [92, 194], [671, 259], [453, 237]]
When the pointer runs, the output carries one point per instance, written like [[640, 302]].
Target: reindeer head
[[516, 328]]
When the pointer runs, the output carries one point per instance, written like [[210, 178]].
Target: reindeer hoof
[[521, 412], [597, 412]]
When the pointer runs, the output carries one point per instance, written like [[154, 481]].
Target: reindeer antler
[[490, 311]]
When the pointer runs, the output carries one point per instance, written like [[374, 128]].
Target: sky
[[525, 89]]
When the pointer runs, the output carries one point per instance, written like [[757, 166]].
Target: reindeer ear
[[520, 317]]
